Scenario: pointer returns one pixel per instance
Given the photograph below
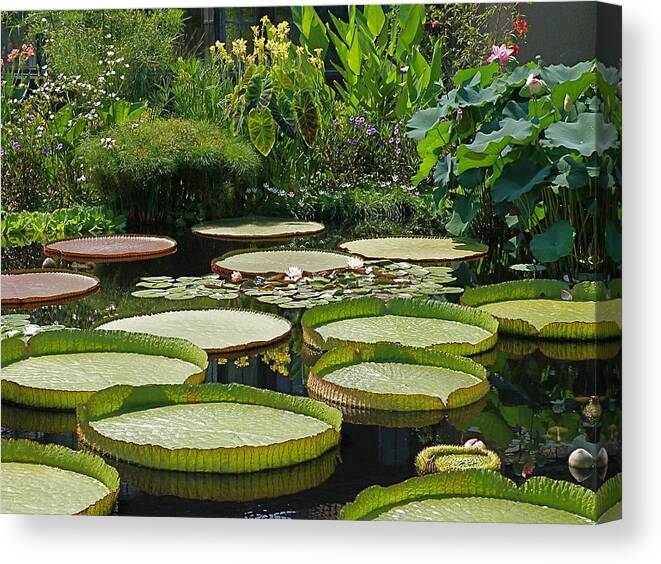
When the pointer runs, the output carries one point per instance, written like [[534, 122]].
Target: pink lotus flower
[[535, 85], [293, 273], [500, 54], [236, 277]]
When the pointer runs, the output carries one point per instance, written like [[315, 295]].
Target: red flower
[[515, 50], [520, 26]]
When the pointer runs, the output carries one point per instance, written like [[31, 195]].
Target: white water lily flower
[[566, 295], [354, 263], [293, 273], [30, 330], [475, 443]]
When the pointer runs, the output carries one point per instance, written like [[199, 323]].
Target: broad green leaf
[[308, 118], [613, 242], [261, 129], [430, 147], [556, 242], [486, 72], [375, 18], [588, 135], [284, 115], [421, 122], [571, 173], [518, 178], [464, 210]]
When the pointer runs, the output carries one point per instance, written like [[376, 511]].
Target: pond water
[[534, 415]]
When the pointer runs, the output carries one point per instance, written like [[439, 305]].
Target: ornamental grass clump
[[152, 169]]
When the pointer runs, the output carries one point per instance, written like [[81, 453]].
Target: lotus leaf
[[484, 496], [390, 377], [416, 249], [256, 228], [443, 458], [211, 428], [216, 331], [55, 480], [61, 369], [415, 323], [271, 263]]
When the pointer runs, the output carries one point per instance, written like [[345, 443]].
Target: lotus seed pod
[[475, 443], [581, 458], [602, 458]]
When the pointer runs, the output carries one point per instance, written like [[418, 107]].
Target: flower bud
[[536, 86], [568, 104]]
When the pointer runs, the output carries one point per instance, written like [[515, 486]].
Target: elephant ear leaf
[[308, 118], [258, 92], [261, 129], [556, 242], [284, 115]]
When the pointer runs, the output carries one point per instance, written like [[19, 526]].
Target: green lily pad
[[415, 323], [211, 428], [62, 369], [393, 378], [484, 496], [54, 480], [271, 263], [217, 331], [415, 249], [536, 308], [256, 228]]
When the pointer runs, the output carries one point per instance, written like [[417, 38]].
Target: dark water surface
[[533, 415]]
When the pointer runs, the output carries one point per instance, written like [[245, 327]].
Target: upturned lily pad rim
[[67, 341], [373, 307], [489, 459], [316, 228], [545, 289], [236, 488], [225, 460], [350, 355], [227, 272], [125, 256], [55, 299], [438, 260], [215, 352], [86, 463], [541, 491]]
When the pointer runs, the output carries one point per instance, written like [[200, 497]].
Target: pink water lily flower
[[500, 54], [535, 85], [475, 443], [293, 273], [354, 263], [236, 277]]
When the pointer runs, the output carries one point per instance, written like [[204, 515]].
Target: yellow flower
[[265, 20], [239, 47], [283, 29], [255, 30], [299, 50], [317, 52], [212, 49]]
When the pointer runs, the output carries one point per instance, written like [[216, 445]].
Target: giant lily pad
[[256, 228], [34, 288], [431, 325], [273, 263], [484, 496], [232, 487], [217, 331], [444, 458], [62, 369], [55, 480], [111, 248], [211, 428], [393, 378], [416, 249], [548, 309]]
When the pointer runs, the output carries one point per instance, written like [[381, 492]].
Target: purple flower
[[398, 141], [391, 140], [15, 145], [360, 120], [398, 151], [351, 141], [44, 150], [371, 130], [396, 130], [334, 122], [351, 118], [59, 146]]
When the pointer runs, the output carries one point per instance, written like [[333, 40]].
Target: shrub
[[157, 169], [73, 42]]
